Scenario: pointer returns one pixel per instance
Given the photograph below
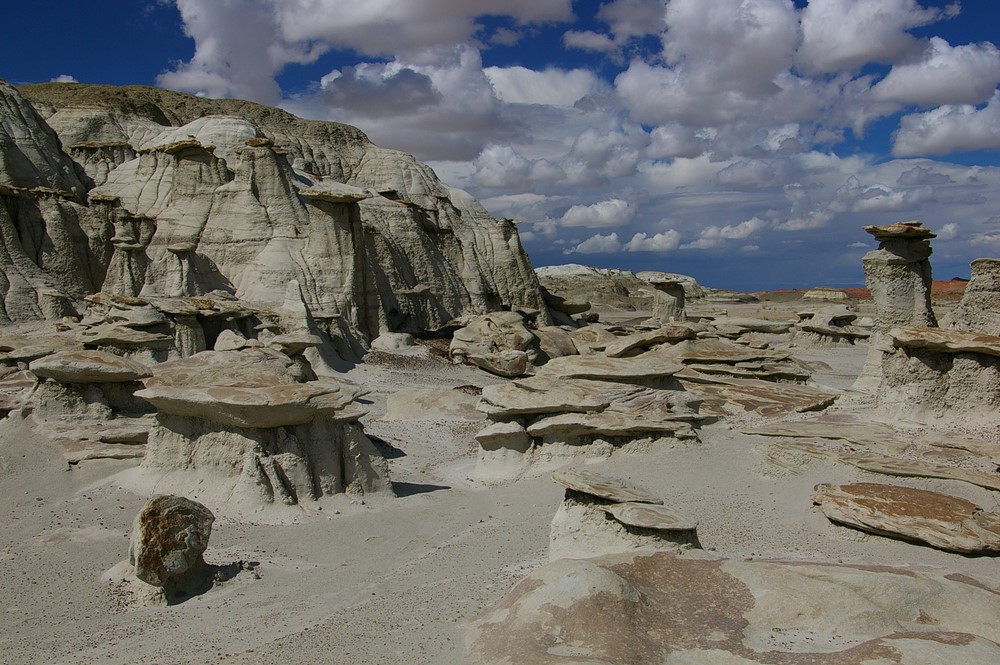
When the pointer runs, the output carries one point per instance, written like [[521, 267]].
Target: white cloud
[[948, 231], [64, 78], [588, 40], [844, 35], [713, 236], [603, 214], [597, 244], [520, 85], [750, 174], [660, 242], [949, 129], [945, 75]]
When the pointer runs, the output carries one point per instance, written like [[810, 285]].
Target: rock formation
[[668, 300], [942, 521], [699, 608], [256, 435], [169, 536], [979, 309], [898, 274], [157, 185], [601, 515], [830, 325]]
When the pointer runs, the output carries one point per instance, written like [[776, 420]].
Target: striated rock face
[[164, 194], [939, 520], [650, 608], [898, 274], [255, 437]]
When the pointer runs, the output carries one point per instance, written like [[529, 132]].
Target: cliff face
[[138, 191]]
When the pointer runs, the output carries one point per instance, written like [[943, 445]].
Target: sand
[[397, 580]]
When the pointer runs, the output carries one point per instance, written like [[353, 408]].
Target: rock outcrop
[[601, 515], [648, 608], [979, 309], [255, 435], [946, 522], [898, 274], [156, 186]]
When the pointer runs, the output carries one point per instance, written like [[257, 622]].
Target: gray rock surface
[[979, 309], [648, 608], [375, 240]]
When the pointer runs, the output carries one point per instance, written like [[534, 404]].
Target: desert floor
[[393, 580]]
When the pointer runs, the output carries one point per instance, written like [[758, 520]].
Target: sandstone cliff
[[137, 191]]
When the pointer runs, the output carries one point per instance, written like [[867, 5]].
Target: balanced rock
[[600, 515], [169, 536], [942, 521]]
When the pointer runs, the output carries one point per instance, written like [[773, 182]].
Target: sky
[[743, 142]]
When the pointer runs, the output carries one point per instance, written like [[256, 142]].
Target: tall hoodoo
[[898, 274]]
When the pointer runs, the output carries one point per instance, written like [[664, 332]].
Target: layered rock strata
[[601, 515], [979, 309], [256, 435], [898, 274], [166, 195]]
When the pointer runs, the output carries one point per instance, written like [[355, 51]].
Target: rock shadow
[[403, 489]]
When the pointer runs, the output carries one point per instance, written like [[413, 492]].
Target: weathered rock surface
[[625, 608], [600, 515], [88, 367], [498, 342], [169, 536], [898, 274], [942, 521], [375, 240], [979, 309], [249, 432]]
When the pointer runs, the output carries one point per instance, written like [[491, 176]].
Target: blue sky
[[745, 142]]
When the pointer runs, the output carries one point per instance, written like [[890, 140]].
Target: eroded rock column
[[898, 274], [668, 301], [980, 306]]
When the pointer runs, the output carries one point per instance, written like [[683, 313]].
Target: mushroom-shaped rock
[[939, 520], [258, 406], [169, 536], [603, 487], [293, 344], [89, 366], [650, 516], [600, 515]]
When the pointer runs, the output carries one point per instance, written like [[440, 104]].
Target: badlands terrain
[[410, 447]]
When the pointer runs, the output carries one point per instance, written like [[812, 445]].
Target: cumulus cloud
[[603, 214], [944, 75], [666, 241], [597, 244], [241, 45], [378, 89], [749, 174], [714, 236], [948, 231], [64, 78], [948, 129], [844, 35], [502, 167], [588, 40], [520, 85]]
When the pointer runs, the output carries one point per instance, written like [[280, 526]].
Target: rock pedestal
[[668, 300], [898, 274], [980, 306]]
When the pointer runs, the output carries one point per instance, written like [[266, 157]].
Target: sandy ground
[[391, 581]]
